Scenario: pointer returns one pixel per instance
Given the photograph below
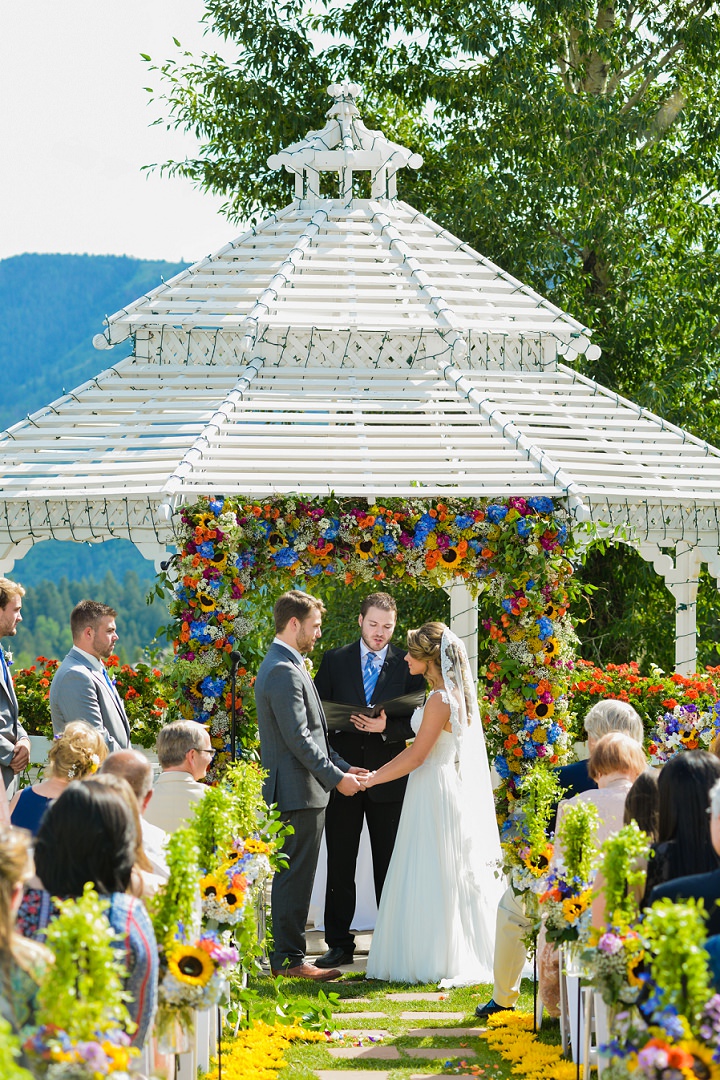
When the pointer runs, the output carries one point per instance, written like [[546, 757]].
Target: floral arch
[[517, 553]]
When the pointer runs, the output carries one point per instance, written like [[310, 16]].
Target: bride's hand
[[368, 781]]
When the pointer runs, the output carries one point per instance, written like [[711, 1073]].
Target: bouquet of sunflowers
[[231, 887], [568, 894], [193, 970]]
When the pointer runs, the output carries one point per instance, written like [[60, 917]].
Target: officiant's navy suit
[[340, 678]]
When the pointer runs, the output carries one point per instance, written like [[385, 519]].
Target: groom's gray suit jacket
[[11, 730], [302, 767], [79, 692]]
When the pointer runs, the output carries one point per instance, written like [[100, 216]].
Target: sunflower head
[[210, 887], [551, 646], [364, 548], [232, 898], [190, 965], [450, 556]]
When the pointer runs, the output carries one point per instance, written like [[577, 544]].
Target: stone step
[[366, 1053], [393, 996], [350, 1074], [364, 1033], [432, 1016], [359, 1016], [446, 1033], [433, 1053]]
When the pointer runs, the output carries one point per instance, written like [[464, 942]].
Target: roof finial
[[344, 146]]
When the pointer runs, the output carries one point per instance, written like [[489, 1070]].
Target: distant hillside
[[51, 306]]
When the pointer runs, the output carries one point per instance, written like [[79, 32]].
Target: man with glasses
[[184, 753]]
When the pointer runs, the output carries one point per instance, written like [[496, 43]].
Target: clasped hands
[[354, 780]]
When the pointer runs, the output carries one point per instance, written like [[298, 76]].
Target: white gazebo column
[[681, 577], [464, 620]]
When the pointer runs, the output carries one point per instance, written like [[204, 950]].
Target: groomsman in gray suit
[[81, 688], [303, 770], [14, 741]]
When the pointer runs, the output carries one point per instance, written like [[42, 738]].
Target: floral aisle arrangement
[[526, 850], [684, 727], [239, 843], [565, 903], [674, 1030], [143, 689], [83, 1025], [515, 552], [616, 950]]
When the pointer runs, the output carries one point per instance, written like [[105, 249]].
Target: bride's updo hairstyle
[[424, 643], [77, 752]]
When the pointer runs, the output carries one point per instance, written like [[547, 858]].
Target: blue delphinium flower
[[496, 514], [541, 504], [287, 556]]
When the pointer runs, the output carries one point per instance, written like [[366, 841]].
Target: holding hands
[[354, 780]]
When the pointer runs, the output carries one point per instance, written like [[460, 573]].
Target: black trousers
[[292, 887], [343, 826]]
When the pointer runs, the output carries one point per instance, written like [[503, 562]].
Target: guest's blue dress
[[128, 917], [29, 810]]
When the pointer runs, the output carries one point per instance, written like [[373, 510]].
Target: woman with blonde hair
[[22, 962], [436, 921], [76, 753]]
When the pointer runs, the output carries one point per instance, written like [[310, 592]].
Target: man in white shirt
[[184, 753], [134, 767]]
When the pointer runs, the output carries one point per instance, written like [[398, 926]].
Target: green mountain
[[51, 306]]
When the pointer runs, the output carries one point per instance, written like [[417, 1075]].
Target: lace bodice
[[443, 752]]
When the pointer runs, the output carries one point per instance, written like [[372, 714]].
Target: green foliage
[[82, 991], [540, 792], [624, 866], [45, 629], [173, 906], [675, 935], [9, 1054], [577, 828]]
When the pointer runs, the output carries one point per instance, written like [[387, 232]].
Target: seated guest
[[22, 962], [143, 882], [615, 763], [134, 767], [700, 886], [75, 754], [642, 803], [184, 753], [684, 846], [512, 924], [88, 834]]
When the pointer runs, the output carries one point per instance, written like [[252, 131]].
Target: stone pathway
[[376, 1043]]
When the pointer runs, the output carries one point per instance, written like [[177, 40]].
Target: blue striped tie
[[370, 675]]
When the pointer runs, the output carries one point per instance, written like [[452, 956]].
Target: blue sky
[[74, 129]]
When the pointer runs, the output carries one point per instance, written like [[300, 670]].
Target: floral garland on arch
[[516, 552]]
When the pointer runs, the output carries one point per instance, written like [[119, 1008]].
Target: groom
[[302, 772], [368, 670]]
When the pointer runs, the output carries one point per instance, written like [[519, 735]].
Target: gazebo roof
[[351, 346]]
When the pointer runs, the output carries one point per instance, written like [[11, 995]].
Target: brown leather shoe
[[308, 971]]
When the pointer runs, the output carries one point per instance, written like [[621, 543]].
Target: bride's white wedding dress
[[437, 911]]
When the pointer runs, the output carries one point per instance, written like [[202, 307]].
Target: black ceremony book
[[338, 714]]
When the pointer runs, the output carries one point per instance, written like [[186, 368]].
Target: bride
[[437, 911]]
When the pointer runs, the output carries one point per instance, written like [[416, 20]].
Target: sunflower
[[451, 556], [210, 887], [544, 709], [206, 601], [232, 899], [551, 646], [364, 548], [550, 611], [276, 541], [190, 965], [218, 560], [703, 1066]]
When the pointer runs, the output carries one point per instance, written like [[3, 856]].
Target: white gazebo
[[351, 345]]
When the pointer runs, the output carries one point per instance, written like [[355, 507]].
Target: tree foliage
[[574, 143]]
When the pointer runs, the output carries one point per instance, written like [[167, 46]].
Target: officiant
[[369, 671]]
